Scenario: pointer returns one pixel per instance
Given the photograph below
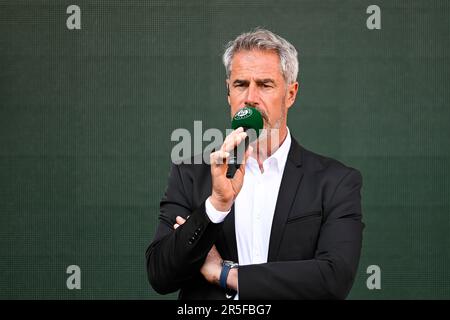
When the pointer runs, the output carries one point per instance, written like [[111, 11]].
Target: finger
[[176, 225], [233, 139], [236, 140], [180, 220], [219, 157], [239, 130]]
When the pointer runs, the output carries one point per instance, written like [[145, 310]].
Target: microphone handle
[[234, 163]]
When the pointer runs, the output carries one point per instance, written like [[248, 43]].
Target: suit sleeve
[[175, 256], [331, 273]]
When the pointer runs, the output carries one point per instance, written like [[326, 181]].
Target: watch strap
[[224, 275]]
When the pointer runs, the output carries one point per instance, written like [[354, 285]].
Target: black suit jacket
[[315, 239]]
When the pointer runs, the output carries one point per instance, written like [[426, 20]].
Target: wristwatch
[[227, 265]]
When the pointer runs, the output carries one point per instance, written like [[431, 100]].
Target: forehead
[[256, 64]]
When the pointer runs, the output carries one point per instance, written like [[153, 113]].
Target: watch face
[[231, 264]]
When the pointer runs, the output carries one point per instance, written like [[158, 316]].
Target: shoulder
[[327, 167], [337, 182]]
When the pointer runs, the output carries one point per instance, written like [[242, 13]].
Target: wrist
[[216, 276], [228, 274], [220, 205]]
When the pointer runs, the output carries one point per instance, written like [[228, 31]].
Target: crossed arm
[[177, 254]]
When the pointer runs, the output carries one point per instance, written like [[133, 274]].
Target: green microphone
[[251, 120]]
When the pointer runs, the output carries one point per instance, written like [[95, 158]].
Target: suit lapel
[[290, 183]]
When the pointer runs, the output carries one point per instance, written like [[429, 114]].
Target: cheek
[[273, 96], [234, 107], [273, 102], [236, 102]]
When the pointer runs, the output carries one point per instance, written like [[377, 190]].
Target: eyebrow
[[265, 81], [258, 81]]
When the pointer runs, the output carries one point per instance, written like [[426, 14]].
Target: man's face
[[256, 79]]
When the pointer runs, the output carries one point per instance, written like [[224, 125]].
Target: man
[[288, 225]]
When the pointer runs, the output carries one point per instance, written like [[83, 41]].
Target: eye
[[240, 86]]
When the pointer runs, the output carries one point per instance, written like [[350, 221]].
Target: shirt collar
[[282, 152]]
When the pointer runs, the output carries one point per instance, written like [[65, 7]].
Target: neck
[[268, 146]]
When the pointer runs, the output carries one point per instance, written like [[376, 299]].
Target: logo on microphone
[[243, 113]]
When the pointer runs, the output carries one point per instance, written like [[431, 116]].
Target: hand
[[179, 221], [213, 263], [212, 267], [224, 190]]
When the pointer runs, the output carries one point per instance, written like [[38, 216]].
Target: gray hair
[[262, 39]]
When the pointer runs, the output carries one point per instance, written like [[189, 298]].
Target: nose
[[252, 95]]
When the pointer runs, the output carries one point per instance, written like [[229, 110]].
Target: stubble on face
[[269, 139]]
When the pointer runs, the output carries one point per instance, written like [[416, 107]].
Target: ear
[[291, 94], [227, 82]]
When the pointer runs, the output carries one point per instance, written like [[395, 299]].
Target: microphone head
[[249, 118]]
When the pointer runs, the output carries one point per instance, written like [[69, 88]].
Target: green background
[[86, 117]]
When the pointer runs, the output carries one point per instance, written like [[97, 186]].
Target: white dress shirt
[[254, 206]]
